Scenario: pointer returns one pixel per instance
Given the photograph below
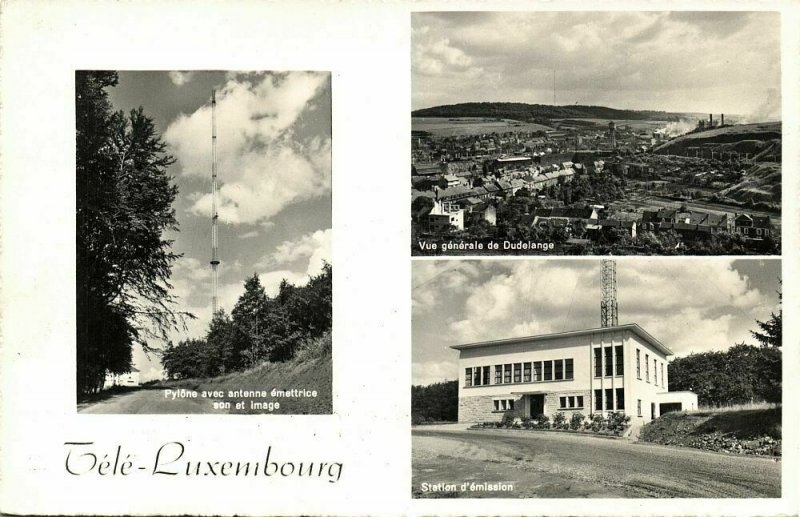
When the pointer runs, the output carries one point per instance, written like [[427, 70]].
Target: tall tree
[[249, 315], [124, 206], [771, 330]]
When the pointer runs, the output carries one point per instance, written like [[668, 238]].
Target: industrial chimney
[[710, 120], [722, 119]]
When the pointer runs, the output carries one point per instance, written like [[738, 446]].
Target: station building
[[612, 369]]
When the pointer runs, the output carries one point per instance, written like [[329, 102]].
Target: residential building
[[443, 215], [621, 368]]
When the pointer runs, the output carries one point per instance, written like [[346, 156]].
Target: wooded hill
[[532, 112]]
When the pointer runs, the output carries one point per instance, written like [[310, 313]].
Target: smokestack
[[710, 120], [722, 119]]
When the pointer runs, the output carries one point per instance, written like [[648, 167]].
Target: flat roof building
[[621, 368]]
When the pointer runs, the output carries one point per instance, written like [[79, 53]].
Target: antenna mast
[[554, 86], [214, 215], [608, 305]]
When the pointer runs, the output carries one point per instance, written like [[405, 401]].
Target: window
[[609, 399], [663, 381], [537, 371], [526, 372], [497, 405], [639, 407], [568, 369], [548, 370], [621, 399], [468, 380], [498, 374], [598, 400], [507, 374], [572, 402], [486, 374], [638, 364], [517, 372], [598, 363], [559, 370], [609, 363], [503, 404], [618, 362], [510, 405], [655, 372], [647, 367]]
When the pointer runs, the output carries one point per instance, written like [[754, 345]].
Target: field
[[468, 126], [601, 123]]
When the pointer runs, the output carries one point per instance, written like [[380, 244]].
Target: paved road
[[149, 401], [542, 464]]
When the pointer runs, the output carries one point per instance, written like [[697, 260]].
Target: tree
[[248, 316], [772, 330], [124, 206]]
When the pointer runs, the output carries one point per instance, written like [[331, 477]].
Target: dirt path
[[149, 401], [562, 465]]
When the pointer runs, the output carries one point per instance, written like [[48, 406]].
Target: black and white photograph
[[600, 378], [203, 242], [589, 133]]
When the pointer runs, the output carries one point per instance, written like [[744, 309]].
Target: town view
[[592, 177]]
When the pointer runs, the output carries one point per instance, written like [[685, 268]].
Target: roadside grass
[[311, 369], [742, 431]]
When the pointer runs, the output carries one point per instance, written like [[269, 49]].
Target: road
[[546, 464], [149, 401]]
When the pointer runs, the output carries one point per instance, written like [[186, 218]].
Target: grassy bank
[[734, 431], [311, 370]]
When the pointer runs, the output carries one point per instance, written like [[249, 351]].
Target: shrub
[[618, 421], [508, 420], [560, 420], [527, 422], [576, 421], [542, 422], [598, 422]]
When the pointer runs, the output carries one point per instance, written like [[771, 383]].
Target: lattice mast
[[608, 305], [214, 214]]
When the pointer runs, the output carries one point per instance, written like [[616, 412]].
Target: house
[[752, 227], [130, 378], [450, 180], [620, 368], [443, 215]]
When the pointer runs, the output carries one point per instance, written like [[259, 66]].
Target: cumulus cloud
[[690, 306], [312, 248], [703, 62], [262, 166], [429, 372], [180, 78]]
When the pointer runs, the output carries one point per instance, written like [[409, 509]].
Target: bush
[[598, 422], [560, 420], [576, 421], [508, 420], [527, 423], [617, 422], [542, 422]]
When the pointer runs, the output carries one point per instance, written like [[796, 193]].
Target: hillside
[[531, 112], [742, 138], [738, 431], [762, 182], [310, 370]]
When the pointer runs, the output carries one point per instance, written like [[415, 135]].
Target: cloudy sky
[[674, 61], [274, 170], [689, 305]]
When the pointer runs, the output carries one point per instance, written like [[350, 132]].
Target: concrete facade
[[620, 368]]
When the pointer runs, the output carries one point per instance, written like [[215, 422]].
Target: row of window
[[571, 402], [607, 403], [536, 371], [504, 405], [608, 361], [656, 366]]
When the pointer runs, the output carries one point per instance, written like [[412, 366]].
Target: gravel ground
[[563, 465]]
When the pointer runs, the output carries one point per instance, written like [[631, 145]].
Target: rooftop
[[633, 327]]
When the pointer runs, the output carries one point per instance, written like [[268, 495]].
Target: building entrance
[[536, 404]]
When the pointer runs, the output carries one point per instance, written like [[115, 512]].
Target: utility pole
[[214, 214], [608, 305]]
